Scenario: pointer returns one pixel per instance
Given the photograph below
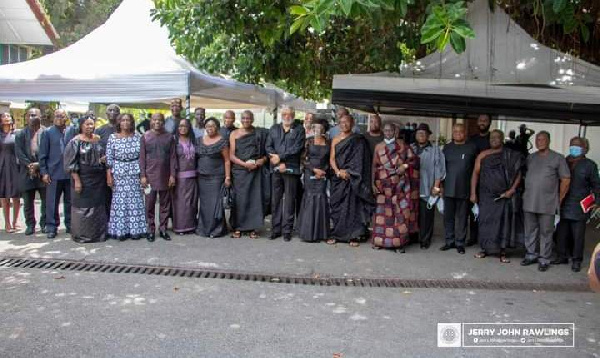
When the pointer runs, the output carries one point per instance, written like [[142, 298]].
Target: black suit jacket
[[25, 157]]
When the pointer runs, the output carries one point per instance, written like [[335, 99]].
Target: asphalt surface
[[66, 314], [80, 314]]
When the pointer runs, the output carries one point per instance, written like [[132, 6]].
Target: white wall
[[560, 135]]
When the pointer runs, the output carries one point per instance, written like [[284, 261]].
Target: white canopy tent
[[504, 71], [129, 59], [23, 22]]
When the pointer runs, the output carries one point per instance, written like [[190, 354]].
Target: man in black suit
[[27, 143]]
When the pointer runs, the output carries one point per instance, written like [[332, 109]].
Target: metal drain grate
[[88, 266]]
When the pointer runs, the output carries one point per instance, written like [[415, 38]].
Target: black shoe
[[400, 251], [68, 230], [43, 230], [543, 267], [424, 246], [576, 266], [151, 237], [447, 247], [123, 238], [287, 237], [460, 250], [164, 235], [51, 235], [470, 243], [559, 261], [274, 236], [29, 231], [527, 262]]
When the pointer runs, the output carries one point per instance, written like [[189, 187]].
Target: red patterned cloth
[[395, 216]]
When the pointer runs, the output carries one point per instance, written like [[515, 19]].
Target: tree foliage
[[300, 44], [73, 19]]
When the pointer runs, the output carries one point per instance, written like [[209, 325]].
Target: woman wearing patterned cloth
[[395, 167], [9, 173], [127, 211], [185, 193], [213, 175], [84, 161]]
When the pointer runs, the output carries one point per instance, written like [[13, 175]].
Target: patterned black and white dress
[[127, 213]]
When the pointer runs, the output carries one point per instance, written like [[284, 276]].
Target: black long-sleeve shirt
[[288, 145], [584, 181]]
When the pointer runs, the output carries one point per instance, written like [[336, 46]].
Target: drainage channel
[[173, 271]]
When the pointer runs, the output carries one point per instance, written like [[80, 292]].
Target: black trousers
[[570, 235], [283, 202], [426, 217], [53, 194], [455, 220], [29, 207], [473, 226]]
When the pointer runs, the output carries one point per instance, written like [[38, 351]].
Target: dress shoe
[[543, 267], [447, 247], [424, 246], [287, 237], [527, 262], [460, 250], [164, 235], [51, 235], [559, 261], [576, 266], [151, 237], [274, 236], [29, 231]]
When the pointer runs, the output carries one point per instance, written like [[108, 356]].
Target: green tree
[[73, 19], [300, 44]]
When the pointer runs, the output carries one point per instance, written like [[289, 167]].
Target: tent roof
[[504, 71], [24, 22], [128, 59]]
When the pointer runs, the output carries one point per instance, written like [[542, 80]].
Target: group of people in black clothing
[[325, 184]]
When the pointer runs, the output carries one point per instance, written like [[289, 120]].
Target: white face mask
[[389, 141]]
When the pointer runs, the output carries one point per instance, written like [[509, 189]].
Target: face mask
[[575, 151], [389, 141]]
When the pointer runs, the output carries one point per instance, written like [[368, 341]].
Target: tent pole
[[188, 97], [582, 130]]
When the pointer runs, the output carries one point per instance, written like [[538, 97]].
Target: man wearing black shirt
[[374, 136], [460, 158], [481, 141], [285, 144]]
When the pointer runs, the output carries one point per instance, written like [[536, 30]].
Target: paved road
[[79, 314], [66, 314]]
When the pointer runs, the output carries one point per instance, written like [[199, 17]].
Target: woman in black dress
[[9, 173], [185, 193], [84, 160], [213, 176], [248, 158], [313, 220]]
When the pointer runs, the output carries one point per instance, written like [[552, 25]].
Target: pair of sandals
[[503, 258], [238, 234], [353, 243], [12, 229]]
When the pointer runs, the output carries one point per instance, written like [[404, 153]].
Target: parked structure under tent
[[503, 72], [129, 59]]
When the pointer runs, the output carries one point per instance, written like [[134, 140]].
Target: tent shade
[[503, 72], [128, 59], [441, 98]]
